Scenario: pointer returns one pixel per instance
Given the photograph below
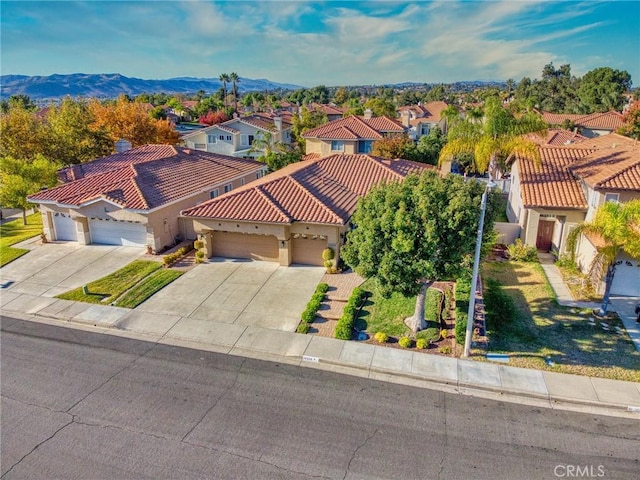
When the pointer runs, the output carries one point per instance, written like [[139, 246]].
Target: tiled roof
[[606, 162], [557, 136], [326, 109], [354, 127], [550, 184], [611, 169], [598, 121], [148, 177], [430, 112], [324, 190]]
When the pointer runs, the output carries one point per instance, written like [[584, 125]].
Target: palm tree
[[494, 138], [224, 78], [235, 79], [618, 225]]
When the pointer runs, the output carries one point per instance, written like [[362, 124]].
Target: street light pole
[[474, 278]]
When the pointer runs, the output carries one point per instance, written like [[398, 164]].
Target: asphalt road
[[91, 406]]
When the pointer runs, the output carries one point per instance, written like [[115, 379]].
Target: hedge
[[172, 258], [463, 297], [344, 327], [309, 314]]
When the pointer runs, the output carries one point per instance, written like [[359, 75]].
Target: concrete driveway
[[242, 293], [53, 268]]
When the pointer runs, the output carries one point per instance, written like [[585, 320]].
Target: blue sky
[[312, 43]]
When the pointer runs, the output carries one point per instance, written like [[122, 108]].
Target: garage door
[[64, 227], [626, 281], [308, 251], [112, 232], [240, 245]]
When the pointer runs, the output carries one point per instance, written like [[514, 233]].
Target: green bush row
[[172, 258], [463, 296], [344, 327], [521, 252], [309, 314]]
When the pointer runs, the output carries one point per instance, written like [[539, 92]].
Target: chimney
[[76, 172], [368, 113], [277, 121], [404, 115], [122, 145]]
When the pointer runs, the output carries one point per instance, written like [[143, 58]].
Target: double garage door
[[240, 245], [113, 232]]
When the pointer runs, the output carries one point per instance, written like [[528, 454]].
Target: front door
[[545, 235]]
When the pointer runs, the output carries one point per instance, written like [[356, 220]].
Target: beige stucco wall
[[284, 233], [323, 147]]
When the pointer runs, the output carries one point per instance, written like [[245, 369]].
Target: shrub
[[432, 307], [309, 314], [328, 264], [198, 244], [322, 287], [405, 342], [303, 327], [566, 261], [328, 254], [344, 328], [421, 343], [200, 254], [463, 296], [520, 252], [446, 349], [381, 337]]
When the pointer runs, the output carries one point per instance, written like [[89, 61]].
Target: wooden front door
[[545, 235]]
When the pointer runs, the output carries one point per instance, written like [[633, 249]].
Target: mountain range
[[110, 85]]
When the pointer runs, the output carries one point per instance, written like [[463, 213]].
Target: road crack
[[355, 452]]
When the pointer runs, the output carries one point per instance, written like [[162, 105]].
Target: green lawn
[[387, 315], [543, 329], [147, 287], [109, 288], [14, 232]]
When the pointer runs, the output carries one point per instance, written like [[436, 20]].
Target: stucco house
[[350, 135], [235, 137], [134, 197], [571, 182], [590, 125], [293, 214], [421, 118]]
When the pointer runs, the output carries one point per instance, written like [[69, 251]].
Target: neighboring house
[[133, 198], [332, 112], [557, 136], [590, 125], [292, 215], [236, 136], [572, 181], [421, 118], [349, 135]]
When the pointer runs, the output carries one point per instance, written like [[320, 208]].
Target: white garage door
[[626, 281], [112, 232], [64, 227]]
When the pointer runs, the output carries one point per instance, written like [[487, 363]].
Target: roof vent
[[187, 151]]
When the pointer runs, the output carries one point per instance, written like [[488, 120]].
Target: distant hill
[[110, 85]]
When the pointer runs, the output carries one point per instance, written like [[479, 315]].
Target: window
[[425, 129], [246, 140], [211, 139], [337, 146], [220, 137], [228, 187], [228, 138], [260, 174], [365, 146], [612, 197], [200, 146], [214, 193], [242, 181]]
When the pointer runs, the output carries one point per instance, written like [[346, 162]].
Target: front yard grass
[[147, 287], [109, 288], [387, 315], [14, 232], [544, 331]]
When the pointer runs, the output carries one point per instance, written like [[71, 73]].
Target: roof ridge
[[263, 194], [380, 161], [134, 181], [315, 199]]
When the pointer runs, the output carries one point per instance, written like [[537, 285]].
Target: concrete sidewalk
[[482, 379]]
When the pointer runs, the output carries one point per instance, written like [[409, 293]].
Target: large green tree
[[381, 106], [408, 235], [618, 225], [19, 178], [603, 89]]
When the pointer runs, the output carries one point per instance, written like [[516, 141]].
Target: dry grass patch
[[557, 334]]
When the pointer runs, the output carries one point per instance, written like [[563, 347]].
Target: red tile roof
[[606, 162], [597, 121], [611, 169], [323, 191], [430, 112], [148, 177], [353, 127], [557, 136]]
